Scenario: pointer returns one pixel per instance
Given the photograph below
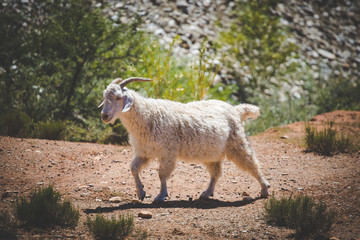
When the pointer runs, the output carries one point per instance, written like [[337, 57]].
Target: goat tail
[[248, 111]]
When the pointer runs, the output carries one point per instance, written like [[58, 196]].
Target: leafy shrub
[[7, 226], [52, 130], [44, 209], [265, 64], [113, 229], [175, 78], [339, 92], [301, 213], [116, 134], [15, 124], [326, 141]]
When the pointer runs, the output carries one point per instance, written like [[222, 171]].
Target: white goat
[[200, 131]]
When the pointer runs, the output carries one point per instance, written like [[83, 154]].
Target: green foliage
[[326, 141], [64, 50], [59, 55], [52, 130], [338, 93], [174, 78], [114, 229], [7, 226], [44, 209], [116, 134], [266, 66], [15, 124], [301, 213]]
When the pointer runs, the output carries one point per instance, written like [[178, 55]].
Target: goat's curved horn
[[133, 79], [117, 81]]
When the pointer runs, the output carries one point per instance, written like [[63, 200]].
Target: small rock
[[245, 194], [135, 201], [115, 199], [182, 5], [145, 214], [284, 137], [247, 198], [177, 232], [326, 54]]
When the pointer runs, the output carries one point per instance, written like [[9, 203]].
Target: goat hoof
[[159, 199], [264, 193], [206, 195], [142, 195]]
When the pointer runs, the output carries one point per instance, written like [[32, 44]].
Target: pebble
[[326, 54], [145, 214], [115, 199], [247, 199]]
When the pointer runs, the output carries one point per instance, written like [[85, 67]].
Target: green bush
[[44, 209], [52, 130], [301, 213], [327, 141], [15, 124], [116, 134], [113, 229], [7, 226], [266, 66], [174, 78], [339, 92]]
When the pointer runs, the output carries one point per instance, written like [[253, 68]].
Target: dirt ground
[[90, 174]]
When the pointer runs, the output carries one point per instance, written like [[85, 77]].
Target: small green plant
[[15, 124], [302, 213], [52, 130], [114, 229], [44, 209], [7, 226], [326, 141]]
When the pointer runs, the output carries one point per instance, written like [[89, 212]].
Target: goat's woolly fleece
[[201, 131]]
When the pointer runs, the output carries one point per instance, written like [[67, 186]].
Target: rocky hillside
[[328, 32]]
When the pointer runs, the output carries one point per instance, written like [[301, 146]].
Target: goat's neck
[[135, 120]]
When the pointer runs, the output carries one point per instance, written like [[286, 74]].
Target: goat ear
[[127, 103]]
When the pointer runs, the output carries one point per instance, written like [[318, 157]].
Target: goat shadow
[[198, 204]]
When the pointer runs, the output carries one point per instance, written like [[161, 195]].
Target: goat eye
[[118, 98]]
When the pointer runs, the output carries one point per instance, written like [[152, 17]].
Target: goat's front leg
[[136, 165], [166, 166]]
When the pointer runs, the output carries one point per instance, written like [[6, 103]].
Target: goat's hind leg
[[244, 158], [136, 165], [166, 166], [214, 169]]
